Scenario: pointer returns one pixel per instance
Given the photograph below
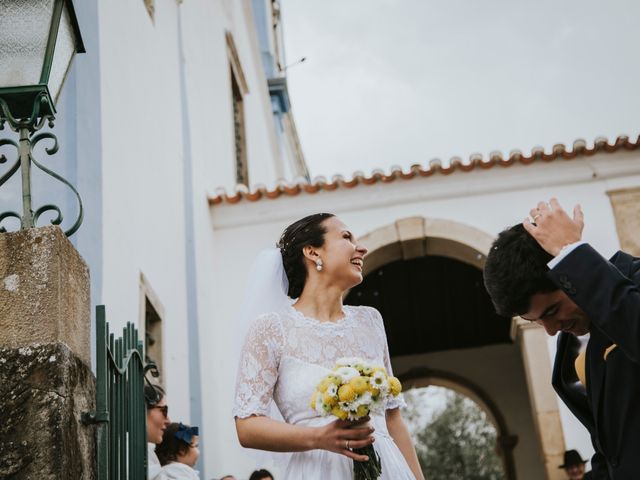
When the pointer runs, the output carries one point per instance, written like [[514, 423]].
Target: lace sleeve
[[258, 368], [394, 402]]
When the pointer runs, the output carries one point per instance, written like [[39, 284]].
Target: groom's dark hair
[[515, 270], [306, 231]]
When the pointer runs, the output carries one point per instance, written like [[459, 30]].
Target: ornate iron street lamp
[[38, 40]]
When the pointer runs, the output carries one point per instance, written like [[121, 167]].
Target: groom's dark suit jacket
[[608, 293]]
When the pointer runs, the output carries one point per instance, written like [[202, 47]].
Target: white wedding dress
[[285, 356]]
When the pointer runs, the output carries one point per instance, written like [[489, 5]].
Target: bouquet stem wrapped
[[369, 470]]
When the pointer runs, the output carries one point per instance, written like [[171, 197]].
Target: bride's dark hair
[[306, 231]]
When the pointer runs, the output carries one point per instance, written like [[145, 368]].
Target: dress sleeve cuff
[[566, 250]]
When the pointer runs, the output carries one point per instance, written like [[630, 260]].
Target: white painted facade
[[166, 96], [168, 142]]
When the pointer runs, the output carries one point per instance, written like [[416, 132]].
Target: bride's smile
[[341, 256]]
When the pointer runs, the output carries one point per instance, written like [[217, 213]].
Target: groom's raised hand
[[552, 227]]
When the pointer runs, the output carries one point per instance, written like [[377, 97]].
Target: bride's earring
[[319, 265]]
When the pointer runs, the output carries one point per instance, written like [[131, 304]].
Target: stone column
[[532, 340], [45, 373], [626, 210]]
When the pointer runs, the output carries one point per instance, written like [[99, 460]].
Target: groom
[[544, 272]]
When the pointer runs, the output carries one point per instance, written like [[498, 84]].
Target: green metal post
[[113, 437], [102, 389], [144, 414], [120, 408], [24, 150]]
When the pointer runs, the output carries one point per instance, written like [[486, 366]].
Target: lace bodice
[[286, 354]]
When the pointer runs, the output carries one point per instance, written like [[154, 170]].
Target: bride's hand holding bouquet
[[345, 437], [350, 392]]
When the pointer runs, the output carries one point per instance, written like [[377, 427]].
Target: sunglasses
[[164, 409]]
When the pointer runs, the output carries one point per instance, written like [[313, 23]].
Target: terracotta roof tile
[[456, 164]]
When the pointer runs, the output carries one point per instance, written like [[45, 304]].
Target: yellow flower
[[341, 414], [359, 367], [346, 393], [362, 411], [359, 384], [395, 387], [314, 399], [327, 381], [329, 399]]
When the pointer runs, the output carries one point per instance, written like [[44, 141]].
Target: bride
[[287, 351]]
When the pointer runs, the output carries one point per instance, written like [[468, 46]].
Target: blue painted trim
[[88, 150], [279, 93], [262, 24], [195, 387]]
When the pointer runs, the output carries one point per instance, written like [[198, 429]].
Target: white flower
[[321, 407], [376, 408], [332, 390], [348, 361], [349, 406], [364, 399], [379, 381], [347, 373]]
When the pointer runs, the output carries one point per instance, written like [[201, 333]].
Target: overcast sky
[[398, 82]]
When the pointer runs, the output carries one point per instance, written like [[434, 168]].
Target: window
[[242, 173], [152, 324], [153, 337], [238, 90]]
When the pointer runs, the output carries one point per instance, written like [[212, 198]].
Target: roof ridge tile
[[579, 147]]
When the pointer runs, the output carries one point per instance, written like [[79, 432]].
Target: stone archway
[[417, 236], [408, 242], [424, 377]]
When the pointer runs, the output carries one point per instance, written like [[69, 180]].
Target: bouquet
[[353, 390]]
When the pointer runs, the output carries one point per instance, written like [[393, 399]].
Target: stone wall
[[45, 375], [44, 390], [44, 291]]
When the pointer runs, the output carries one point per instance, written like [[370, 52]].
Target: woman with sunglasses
[[157, 421]]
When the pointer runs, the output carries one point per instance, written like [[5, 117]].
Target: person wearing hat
[[574, 465]]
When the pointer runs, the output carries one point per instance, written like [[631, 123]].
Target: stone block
[[44, 291], [43, 390], [412, 237], [626, 210]]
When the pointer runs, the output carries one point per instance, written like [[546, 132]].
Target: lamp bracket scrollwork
[[27, 128]]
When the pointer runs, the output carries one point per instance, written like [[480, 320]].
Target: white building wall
[[489, 200], [209, 92], [143, 221], [160, 123]]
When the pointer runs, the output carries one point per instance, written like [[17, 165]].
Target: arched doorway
[[422, 377], [425, 277], [458, 432]]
